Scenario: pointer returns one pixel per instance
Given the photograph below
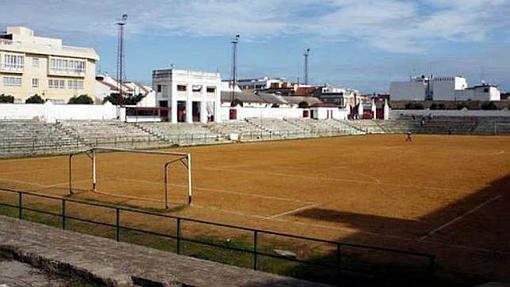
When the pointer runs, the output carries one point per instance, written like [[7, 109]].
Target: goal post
[[502, 129], [183, 159]]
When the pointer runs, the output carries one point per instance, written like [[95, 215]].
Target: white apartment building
[[483, 92], [32, 65], [191, 96], [260, 83], [442, 89]]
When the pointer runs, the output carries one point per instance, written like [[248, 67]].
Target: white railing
[[11, 68]]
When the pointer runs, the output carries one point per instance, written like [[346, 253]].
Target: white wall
[[49, 112], [279, 113], [410, 91], [266, 112], [395, 114]]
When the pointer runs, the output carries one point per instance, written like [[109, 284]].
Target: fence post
[[117, 224], [338, 258], [432, 264], [255, 236], [63, 214], [20, 205], [178, 231]]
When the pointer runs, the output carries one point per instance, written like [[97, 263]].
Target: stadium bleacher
[[26, 137], [182, 133], [29, 137], [279, 128], [245, 130], [111, 133]]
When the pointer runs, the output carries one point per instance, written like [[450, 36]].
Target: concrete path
[[116, 263]]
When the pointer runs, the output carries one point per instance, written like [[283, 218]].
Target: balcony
[[7, 68], [66, 73]]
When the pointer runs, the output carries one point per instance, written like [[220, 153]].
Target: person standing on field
[[409, 136]]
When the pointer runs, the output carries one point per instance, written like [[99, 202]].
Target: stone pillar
[[189, 104], [360, 110], [217, 103], [173, 103], [374, 110], [386, 110], [203, 105]]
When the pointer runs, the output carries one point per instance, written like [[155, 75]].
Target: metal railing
[[256, 234]]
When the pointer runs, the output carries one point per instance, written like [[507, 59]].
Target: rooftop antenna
[[235, 41], [307, 53], [120, 59]]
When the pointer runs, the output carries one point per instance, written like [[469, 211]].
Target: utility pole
[[307, 53], [235, 41], [120, 59]]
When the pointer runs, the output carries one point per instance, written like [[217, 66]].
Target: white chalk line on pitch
[[223, 191], [376, 181], [460, 217], [293, 211]]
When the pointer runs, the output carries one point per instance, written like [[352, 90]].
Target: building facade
[[32, 65], [442, 89], [191, 96]]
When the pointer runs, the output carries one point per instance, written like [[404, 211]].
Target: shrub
[[433, 106], [81, 100], [414, 106], [6, 99], [35, 99], [304, 105], [441, 106], [461, 106], [236, 102], [129, 100], [489, 106]]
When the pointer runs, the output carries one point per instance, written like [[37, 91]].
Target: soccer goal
[[143, 175], [502, 129]]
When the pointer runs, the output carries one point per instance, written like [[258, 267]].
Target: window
[[56, 84], [196, 88], [159, 88], [35, 83], [181, 88], [211, 89], [67, 66], [35, 62], [485, 90], [12, 81], [75, 85], [14, 62]]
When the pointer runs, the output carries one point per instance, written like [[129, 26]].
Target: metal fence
[[336, 264]]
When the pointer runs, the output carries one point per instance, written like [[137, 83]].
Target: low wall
[[50, 113], [395, 114], [265, 112]]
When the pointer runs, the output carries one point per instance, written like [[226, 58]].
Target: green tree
[[129, 100], [489, 106], [304, 105], [81, 100], [35, 99], [6, 99]]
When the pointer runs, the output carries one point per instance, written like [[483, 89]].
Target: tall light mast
[[307, 53], [120, 59], [235, 41]]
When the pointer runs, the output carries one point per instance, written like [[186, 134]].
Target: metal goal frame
[[183, 158]]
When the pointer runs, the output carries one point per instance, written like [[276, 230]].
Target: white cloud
[[391, 25]]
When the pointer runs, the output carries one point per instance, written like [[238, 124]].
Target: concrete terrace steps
[[118, 264]]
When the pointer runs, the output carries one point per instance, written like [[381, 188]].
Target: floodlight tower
[[235, 41], [307, 53], [120, 59]]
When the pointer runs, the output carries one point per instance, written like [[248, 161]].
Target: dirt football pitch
[[443, 195]]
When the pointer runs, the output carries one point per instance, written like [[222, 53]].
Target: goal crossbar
[[184, 158]]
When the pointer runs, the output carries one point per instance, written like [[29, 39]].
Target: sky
[[360, 44]]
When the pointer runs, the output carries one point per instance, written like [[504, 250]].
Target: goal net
[[134, 177]]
